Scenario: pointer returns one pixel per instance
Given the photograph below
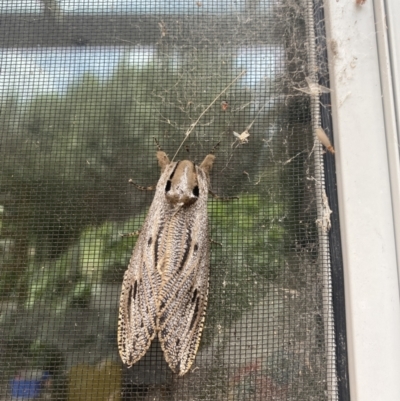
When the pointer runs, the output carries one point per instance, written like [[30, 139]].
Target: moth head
[[182, 187]]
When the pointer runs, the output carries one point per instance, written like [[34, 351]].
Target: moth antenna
[[212, 151]]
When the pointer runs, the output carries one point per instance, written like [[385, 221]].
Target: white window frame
[[364, 62]]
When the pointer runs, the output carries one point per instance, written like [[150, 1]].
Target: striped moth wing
[[165, 288]]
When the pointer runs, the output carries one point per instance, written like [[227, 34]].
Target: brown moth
[[165, 288]]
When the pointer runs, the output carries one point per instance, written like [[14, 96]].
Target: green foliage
[[254, 237], [66, 161], [65, 164], [249, 251], [251, 227], [99, 255]]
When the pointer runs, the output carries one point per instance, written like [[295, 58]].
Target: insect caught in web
[[323, 138]]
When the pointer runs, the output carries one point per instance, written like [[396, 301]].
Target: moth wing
[[141, 284], [184, 289], [136, 324]]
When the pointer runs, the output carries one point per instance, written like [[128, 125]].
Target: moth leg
[[215, 242], [132, 234], [157, 144], [151, 188], [222, 198], [214, 148]]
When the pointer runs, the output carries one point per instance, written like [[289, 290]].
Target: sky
[[27, 73], [134, 6]]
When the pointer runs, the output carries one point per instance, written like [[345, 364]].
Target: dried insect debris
[[313, 89], [241, 138], [224, 105], [323, 138], [325, 221], [163, 29]]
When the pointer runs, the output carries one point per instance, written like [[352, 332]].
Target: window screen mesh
[[85, 87]]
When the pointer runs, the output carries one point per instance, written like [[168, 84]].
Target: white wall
[[365, 132]]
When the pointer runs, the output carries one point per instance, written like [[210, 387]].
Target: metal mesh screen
[[85, 86]]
